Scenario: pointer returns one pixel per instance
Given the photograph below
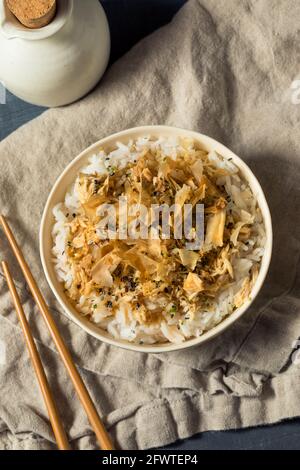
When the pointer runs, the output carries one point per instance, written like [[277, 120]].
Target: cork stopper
[[33, 13]]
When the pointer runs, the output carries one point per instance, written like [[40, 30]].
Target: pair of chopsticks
[[86, 401]]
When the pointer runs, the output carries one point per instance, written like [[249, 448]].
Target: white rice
[[125, 327]]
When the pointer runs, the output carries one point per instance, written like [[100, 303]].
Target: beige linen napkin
[[224, 68]]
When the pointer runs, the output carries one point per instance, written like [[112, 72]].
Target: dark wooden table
[[131, 20]]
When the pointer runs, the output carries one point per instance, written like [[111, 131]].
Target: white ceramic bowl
[[68, 176]]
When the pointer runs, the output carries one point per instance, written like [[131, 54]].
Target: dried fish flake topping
[[150, 275]]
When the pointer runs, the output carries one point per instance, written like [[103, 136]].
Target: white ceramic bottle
[[59, 63]]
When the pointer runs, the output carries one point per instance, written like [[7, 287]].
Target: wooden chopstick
[[99, 429], [57, 426]]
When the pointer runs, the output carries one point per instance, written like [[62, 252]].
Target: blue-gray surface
[[143, 17]]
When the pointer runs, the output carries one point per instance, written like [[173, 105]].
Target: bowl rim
[[154, 131]]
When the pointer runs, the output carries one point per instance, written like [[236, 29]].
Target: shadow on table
[[132, 20]]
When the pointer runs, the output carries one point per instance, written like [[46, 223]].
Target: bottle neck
[[11, 28]]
